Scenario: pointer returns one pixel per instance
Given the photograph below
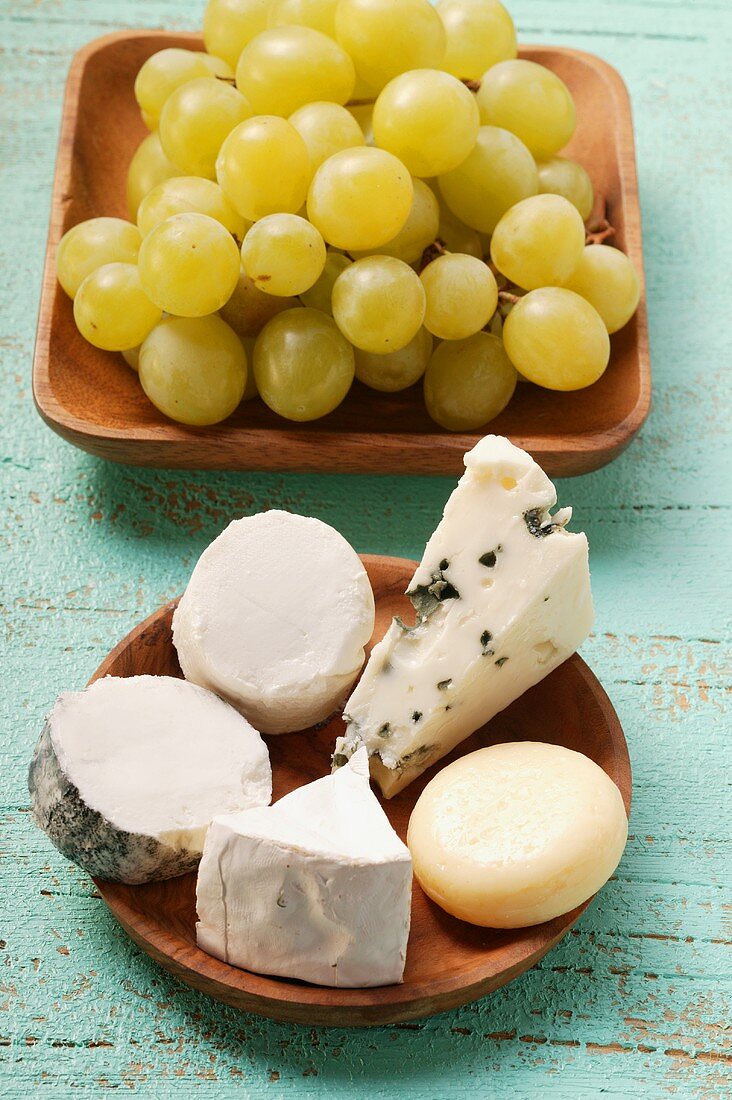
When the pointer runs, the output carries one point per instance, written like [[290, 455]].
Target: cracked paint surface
[[637, 1000]]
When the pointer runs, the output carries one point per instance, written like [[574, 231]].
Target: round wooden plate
[[448, 962]]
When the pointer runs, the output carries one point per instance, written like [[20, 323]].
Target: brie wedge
[[316, 887], [128, 774], [502, 596], [275, 619]]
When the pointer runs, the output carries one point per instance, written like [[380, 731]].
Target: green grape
[[556, 339], [364, 116], [250, 390], [131, 357], [538, 242], [320, 293], [284, 68], [385, 38], [149, 167], [499, 172], [360, 198], [459, 237], [561, 176], [111, 308], [480, 33], [428, 119], [363, 92], [249, 309], [88, 245], [189, 265], [606, 278], [189, 195], [379, 304], [196, 119], [398, 369], [317, 14], [461, 295], [263, 167], [468, 382], [283, 254], [326, 128], [218, 66], [229, 24], [303, 364], [161, 74], [418, 231], [193, 369], [530, 101]]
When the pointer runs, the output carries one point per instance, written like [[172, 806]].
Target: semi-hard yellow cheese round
[[517, 834]]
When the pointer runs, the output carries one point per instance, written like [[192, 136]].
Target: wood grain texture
[[93, 400], [449, 962], [637, 999]]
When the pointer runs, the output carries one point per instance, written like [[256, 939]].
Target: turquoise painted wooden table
[[636, 1001]]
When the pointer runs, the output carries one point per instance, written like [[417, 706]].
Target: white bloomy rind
[[275, 619], [502, 597], [127, 775], [316, 887]]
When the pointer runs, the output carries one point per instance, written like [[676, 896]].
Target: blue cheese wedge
[[275, 619], [316, 887], [128, 774], [502, 596]]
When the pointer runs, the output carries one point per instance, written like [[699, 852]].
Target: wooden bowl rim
[[336, 1006], [586, 452]]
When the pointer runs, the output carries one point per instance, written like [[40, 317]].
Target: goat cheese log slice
[[275, 619], [502, 596], [317, 887], [128, 774]]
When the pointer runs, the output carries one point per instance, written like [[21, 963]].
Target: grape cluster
[[350, 188]]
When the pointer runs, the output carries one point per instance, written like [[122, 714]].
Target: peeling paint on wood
[[638, 999]]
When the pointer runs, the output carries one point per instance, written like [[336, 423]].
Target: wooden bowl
[[94, 400], [449, 962]]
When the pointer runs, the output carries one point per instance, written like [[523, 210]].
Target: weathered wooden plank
[[637, 1000]]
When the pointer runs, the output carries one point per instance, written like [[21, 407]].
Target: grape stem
[[507, 299], [431, 252], [471, 85], [599, 232], [598, 228]]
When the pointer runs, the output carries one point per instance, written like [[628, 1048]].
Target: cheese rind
[[517, 834], [127, 775], [502, 596], [316, 887], [275, 618]]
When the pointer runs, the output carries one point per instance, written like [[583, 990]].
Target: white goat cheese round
[[127, 775], [275, 619]]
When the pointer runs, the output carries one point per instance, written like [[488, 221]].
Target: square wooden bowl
[[94, 400]]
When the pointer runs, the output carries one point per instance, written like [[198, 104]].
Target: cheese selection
[[127, 775], [275, 619], [502, 596], [139, 779], [517, 834], [317, 886]]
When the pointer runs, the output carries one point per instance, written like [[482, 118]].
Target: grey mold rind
[[86, 837]]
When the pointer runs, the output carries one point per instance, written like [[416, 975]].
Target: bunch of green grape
[[342, 189]]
